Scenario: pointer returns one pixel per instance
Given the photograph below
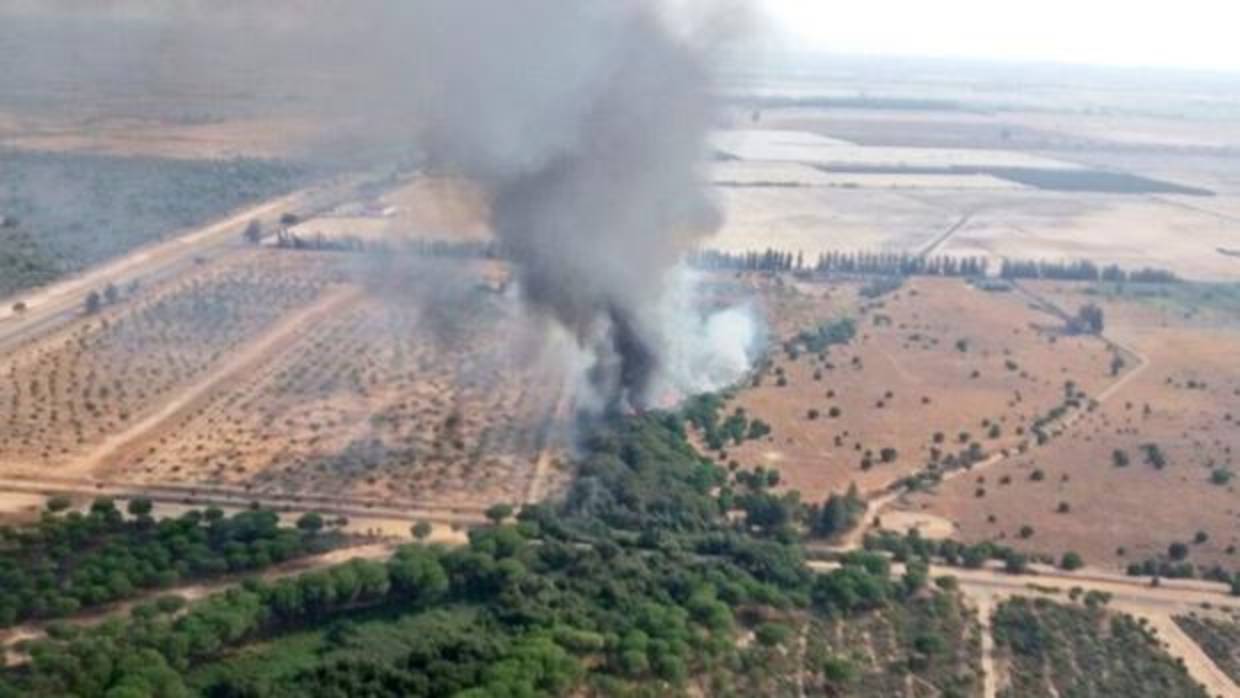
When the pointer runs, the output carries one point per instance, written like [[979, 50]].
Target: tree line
[[642, 578], [904, 264], [1081, 270], [70, 561]]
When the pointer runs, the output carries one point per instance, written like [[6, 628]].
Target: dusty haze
[[585, 123]]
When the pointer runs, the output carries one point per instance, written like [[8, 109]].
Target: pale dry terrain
[[374, 401], [64, 394], [934, 357], [818, 220], [1186, 401], [945, 155]]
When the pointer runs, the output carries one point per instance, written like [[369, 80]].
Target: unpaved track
[[560, 414], [1198, 663], [251, 355], [986, 588], [38, 629], [1157, 605], [943, 237], [990, 678], [391, 511]]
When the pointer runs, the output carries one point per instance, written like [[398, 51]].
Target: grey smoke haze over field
[[585, 121]]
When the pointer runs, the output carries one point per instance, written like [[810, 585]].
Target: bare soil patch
[[1071, 492], [935, 368]]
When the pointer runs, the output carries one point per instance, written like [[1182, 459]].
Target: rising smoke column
[[586, 122]]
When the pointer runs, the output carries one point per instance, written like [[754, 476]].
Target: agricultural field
[[1138, 189], [1049, 649], [1219, 639], [64, 212], [1151, 466], [420, 208], [928, 645], [937, 372], [371, 396], [65, 394]]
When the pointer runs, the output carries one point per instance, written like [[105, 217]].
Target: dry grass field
[[1185, 401], [936, 367], [814, 220]]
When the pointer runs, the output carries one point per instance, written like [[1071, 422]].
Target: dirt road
[[988, 587], [386, 510], [1199, 665], [1157, 605], [990, 676]]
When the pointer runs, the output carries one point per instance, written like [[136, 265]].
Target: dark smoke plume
[[586, 121], [583, 120]]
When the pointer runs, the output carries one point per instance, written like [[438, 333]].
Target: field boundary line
[[937, 242]]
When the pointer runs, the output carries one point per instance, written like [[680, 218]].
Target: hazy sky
[[1183, 33]]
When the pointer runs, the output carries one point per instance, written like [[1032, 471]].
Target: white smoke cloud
[[703, 350]]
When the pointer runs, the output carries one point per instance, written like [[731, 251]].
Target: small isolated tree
[[1071, 561], [1119, 458], [421, 530], [253, 233], [839, 671], [310, 522], [58, 503], [1177, 551], [111, 294], [1088, 320], [103, 506], [92, 303], [19, 307], [497, 513], [139, 506]]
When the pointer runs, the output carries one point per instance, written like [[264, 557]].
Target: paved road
[[50, 306]]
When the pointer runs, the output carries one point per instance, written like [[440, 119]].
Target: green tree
[[58, 503], [498, 513], [139, 506], [421, 530], [310, 522]]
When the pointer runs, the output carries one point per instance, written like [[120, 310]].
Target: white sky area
[[1182, 33]]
